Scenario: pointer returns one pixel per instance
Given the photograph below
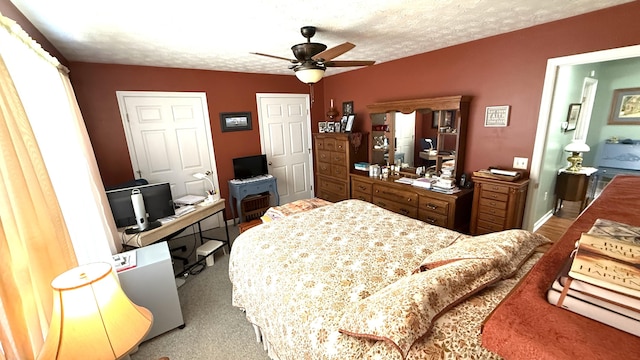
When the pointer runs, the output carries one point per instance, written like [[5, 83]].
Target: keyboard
[[249, 180]]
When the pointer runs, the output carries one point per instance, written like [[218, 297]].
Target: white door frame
[[544, 117], [127, 131], [259, 96]]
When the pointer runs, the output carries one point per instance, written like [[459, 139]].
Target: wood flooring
[[556, 226]]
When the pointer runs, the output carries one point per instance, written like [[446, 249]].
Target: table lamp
[[575, 148], [213, 187], [92, 317]]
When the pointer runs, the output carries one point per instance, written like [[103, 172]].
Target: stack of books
[[601, 278]]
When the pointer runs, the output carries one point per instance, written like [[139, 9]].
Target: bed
[[525, 325], [354, 281]]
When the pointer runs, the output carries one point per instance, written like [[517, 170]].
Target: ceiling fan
[[312, 59]]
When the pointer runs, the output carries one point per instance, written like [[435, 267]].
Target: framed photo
[[235, 121], [330, 126], [322, 126], [347, 108], [496, 116], [572, 116], [350, 119], [625, 107]]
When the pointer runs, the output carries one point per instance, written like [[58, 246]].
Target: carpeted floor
[[214, 329]]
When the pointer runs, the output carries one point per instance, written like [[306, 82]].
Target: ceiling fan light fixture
[[309, 73]]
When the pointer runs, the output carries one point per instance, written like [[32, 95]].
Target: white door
[[405, 127], [169, 139], [285, 137]]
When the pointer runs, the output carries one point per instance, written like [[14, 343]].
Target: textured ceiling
[[217, 35]]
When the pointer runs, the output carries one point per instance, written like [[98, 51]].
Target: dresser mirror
[[428, 132]]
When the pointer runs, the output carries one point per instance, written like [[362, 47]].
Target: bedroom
[[514, 62]]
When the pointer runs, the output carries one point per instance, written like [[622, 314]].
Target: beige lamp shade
[[577, 146], [575, 160], [92, 317], [309, 73]]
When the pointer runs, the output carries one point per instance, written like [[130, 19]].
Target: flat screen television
[[157, 202], [250, 166]]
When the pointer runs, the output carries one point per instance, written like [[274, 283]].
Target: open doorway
[[548, 150]]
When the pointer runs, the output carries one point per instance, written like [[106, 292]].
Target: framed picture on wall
[[496, 116], [572, 116], [235, 121], [625, 107]]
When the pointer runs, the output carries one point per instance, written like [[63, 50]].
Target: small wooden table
[[573, 186]]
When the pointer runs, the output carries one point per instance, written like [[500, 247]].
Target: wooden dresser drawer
[[397, 207], [324, 168], [320, 144], [362, 187], [492, 211], [495, 196], [339, 172], [493, 203], [434, 205], [329, 144], [491, 218], [364, 196], [338, 158], [324, 155], [495, 188], [397, 195], [482, 224], [337, 187], [432, 218], [341, 146]]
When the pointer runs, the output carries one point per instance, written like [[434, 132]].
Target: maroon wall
[[96, 85], [508, 69]]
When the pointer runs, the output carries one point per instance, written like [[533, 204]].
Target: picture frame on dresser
[[349, 123]]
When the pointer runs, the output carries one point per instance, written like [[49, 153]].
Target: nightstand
[[573, 186]]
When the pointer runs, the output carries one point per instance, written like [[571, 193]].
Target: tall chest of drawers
[[335, 156], [497, 205]]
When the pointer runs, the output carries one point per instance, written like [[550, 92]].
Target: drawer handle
[[494, 196], [362, 198], [404, 211], [492, 203], [363, 188], [430, 206], [408, 199], [430, 220], [382, 204]]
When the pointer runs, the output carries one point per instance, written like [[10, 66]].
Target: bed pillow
[[508, 250], [403, 312]]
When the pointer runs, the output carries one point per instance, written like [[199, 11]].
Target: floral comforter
[[300, 279]]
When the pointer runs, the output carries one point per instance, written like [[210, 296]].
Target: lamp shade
[[309, 73], [92, 317], [577, 146]]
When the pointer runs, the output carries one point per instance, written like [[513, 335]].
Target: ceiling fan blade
[[334, 51], [348, 63], [276, 57]]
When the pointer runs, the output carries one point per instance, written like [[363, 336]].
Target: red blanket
[[526, 326]]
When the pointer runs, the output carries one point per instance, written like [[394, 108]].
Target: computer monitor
[[157, 202], [250, 166]]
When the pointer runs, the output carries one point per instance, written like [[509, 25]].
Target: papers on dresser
[[125, 260]]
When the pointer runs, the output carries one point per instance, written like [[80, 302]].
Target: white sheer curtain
[[48, 100]]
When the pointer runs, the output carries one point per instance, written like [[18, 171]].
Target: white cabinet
[[152, 284]]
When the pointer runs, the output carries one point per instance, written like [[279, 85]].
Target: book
[[503, 172], [586, 291], [608, 263], [189, 200], [597, 313]]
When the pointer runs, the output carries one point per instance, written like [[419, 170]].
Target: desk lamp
[[206, 176], [575, 148], [92, 317]]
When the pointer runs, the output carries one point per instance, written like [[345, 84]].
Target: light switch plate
[[520, 163]]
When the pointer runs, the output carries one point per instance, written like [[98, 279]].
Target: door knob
[[270, 163]]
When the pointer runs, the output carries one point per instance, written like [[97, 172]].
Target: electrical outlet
[[546, 195], [520, 163]]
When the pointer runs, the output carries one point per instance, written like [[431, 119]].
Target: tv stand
[[239, 189]]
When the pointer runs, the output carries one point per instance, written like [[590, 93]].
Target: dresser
[[335, 155], [451, 211], [497, 205]]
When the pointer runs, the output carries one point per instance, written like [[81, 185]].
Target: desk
[[572, 186], [239, 189], [202, 212]]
